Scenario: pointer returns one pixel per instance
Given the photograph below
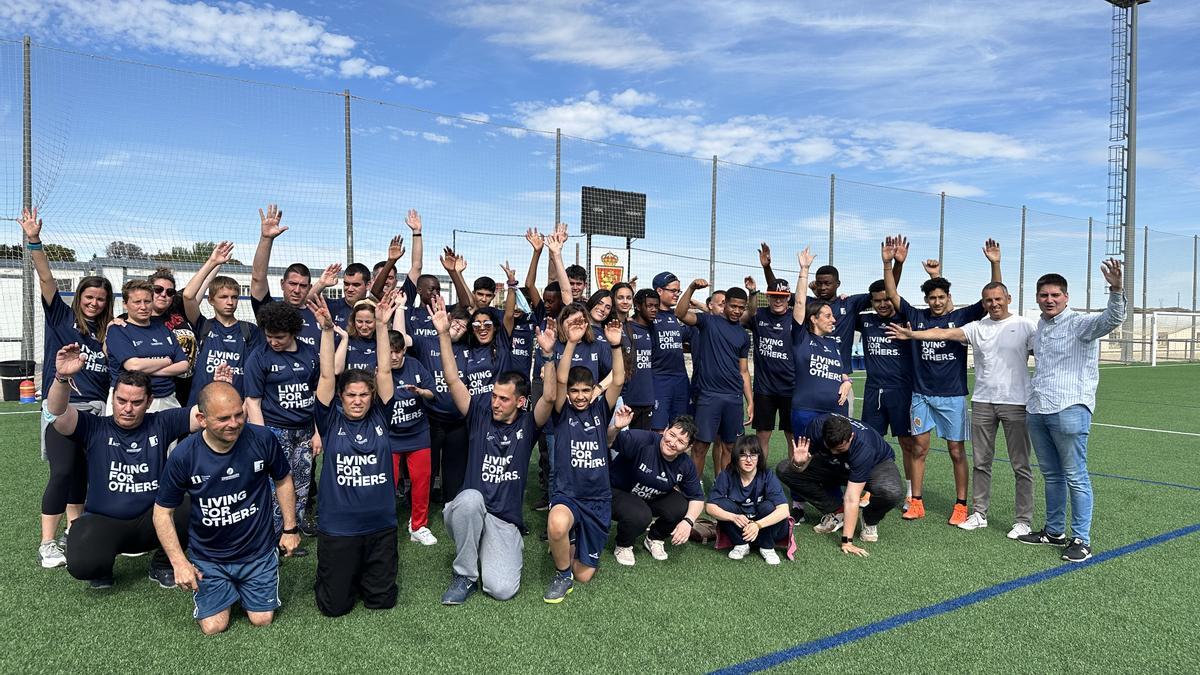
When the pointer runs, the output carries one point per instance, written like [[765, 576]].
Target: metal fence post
[[712, 232], [1145, 268], [1087, 272], [558, 178], [832, 210], [942, 233], [1195, 261], [1021, 273], [27, 285], [349, 188]]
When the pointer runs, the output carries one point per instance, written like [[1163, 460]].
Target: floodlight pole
[[27, 285]]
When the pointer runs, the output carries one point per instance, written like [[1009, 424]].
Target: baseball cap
[[779, 287], [663, 278]]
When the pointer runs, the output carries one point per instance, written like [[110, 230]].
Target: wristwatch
[[845, 539], [296, 530], [689, 521]]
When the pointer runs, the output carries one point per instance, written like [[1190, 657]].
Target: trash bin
[[12, 373]]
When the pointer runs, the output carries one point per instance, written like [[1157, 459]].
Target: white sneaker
[[422, 536], [738, 552], [869, 532], [769, 555], [656, 548], [973, 522], [1018, 530], [830, 522], [51, 554], [624, 555]]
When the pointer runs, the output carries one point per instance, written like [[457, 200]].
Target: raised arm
[[546, 339], [764, 259], [455, 265], [887, 251], [458, 391], [751, 286], [574, 329], [1097, 326], [684, 305], [343, 348], [220, 255], [328, 278], [616, 376], [262, 254], [805, 258], [67, 363], [558, 271], [31, 225], [327, 384], [395, 252], [538, 242], [385, 386], [413, 220], [991, 251], [510, 298]]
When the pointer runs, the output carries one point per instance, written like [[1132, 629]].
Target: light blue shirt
[[1067, 350]]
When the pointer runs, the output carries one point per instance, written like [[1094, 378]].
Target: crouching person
[[748, 503]]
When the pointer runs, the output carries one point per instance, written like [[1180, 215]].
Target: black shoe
[[542, 504], [798, 513], [165, 576], [98, 584], [308, 528], [1077, 551], [1043, 538]]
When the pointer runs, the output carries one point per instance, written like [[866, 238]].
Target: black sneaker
[[1077, 551], [308, 528], [542, 504], [797, 513], [1043, 538], [98, 584], [165, 576]]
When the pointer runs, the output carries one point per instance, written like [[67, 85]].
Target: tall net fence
[[135, 166]]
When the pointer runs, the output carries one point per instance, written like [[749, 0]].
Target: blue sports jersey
[[940, 366], [483, 365], [581, 451], [93, 380], [339, 310], [357, 488], [774, 371], [417, 321], [217, 344], [669, 336], [819, 370], [889, 362], [719, 344], [639, 380], [595, 356], [520, 343], [407, 422], [285, 383], [310, 332], [143, 342], [124, 466], [844, 313], [729, 493], [429, 353], [231, 494], [360, 354], [640, 468], [867, 449], [498, 458]]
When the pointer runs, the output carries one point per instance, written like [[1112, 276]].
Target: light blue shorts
[[947, 414]]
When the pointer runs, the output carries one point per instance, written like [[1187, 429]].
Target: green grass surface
[[698, 611]]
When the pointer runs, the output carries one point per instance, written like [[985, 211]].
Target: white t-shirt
[[1001, 350]]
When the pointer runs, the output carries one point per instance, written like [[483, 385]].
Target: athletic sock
[[908, 488], [566, 574], [916, 498], [960, 501]]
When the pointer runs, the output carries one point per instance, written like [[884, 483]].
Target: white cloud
[[1063, 199], [632, 98], [414, 82], [953, 189], [360, 67], [564, 31], [434, 138]]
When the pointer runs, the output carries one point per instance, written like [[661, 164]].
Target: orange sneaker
[[959, 515], [916, 509]]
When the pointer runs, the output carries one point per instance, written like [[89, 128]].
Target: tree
[[121, 249], [197, 253], [55, 252]]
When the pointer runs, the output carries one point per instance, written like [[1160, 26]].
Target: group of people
[[194, 437]]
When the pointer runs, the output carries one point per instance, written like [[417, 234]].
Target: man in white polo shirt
[[1001, 343]]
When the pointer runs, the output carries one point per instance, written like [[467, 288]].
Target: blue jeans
[[1060, 442]]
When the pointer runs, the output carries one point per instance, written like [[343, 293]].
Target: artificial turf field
[[699, 611]]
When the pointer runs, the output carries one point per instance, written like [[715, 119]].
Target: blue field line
[[855, 634]]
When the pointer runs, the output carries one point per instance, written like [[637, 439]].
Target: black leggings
[[68, 473], [632, 514], [353, 567], [448, 454], [95, 540]]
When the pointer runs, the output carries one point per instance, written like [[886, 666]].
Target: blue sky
[[999, 102]]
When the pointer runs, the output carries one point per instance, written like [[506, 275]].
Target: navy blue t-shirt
[[132, 341], [581, 451], [231, 494], [819, 370], [360, 354], [719, 344], [940, 366], [482, 365], [639, 383], [520, 343], [93, 380], [407, 422], [844, 312], [310, 332], [669, 336], [285, 383], [357, 489], [867, 449], [219, 344], [125, 465], [339, 310], [498, 458], [729, 493], [429, 353], [889, 362], [417, 321], [595, 356], [774, 372], [640, 468]]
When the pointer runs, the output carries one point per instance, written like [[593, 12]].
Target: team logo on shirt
[[199, 479], [259, 465], [155, 342], [230, 474], [154, 441], [138, 343], [358, 438], [275, 367], [227, 338], [297, 367]]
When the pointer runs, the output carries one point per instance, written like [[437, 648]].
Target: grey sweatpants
[[483, 540], [985, 419]]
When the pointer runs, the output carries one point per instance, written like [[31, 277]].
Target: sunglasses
[[482, 324], [163, 290]]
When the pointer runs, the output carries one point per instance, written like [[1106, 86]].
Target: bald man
[[227, 469]]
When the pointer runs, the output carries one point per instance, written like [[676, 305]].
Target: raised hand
[[699, 283], [901, 242], [575, 328], [413, 221], [270, 222], [932, 267], [991, 250], [622, 417], [396, 248], [448, 259], [221, 253], [330, 276], [401, 297], [1111, 269], [535, 239], [31, 225], [385, 308], [764, 255], [441, 320], [547, 337], [612, 332], [887, 250], [509, 272], [69, 360], [321, 312], [223, 373], [750, 285], [800, 453], [633, 283], [805, 258], [555, 242]]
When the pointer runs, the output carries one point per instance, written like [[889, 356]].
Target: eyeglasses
[[482, 324], [163, 290], [750, 457]]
